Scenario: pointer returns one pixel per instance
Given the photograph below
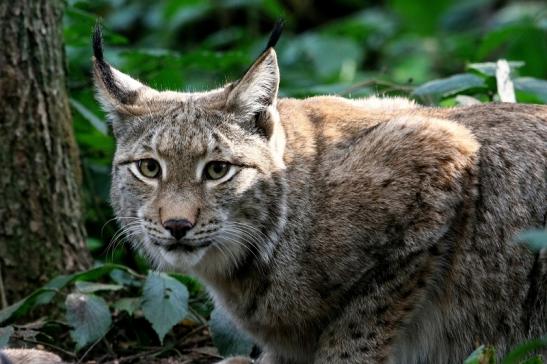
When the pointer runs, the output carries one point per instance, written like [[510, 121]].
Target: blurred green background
[[347, 47]]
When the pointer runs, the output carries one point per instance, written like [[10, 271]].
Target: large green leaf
[[533, 86], [20, 308], [452, 85], [165, 302], [489, 68], [45, 294], [524, 350], [228, 339], [5, 334], [89, 316], [93, 119]]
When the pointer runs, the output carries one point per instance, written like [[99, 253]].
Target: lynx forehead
[[335, 230]]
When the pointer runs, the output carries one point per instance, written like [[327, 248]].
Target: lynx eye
[[216, 170], [149, 168]]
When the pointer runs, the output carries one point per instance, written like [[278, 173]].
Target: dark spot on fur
[[381, 310], [405, 294], [364, 349], [344, 355], [435, 251], [387, 182], [355, 335], [352, 326], [371, 335]]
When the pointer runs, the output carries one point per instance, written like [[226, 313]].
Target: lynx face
[[197, 177]]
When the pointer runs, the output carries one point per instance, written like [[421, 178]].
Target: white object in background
[[506, 91]]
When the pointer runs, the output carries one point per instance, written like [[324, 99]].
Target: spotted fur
[[352, 231]]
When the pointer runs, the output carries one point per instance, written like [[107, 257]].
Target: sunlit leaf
[[489, 68], [228, 339], [450, 86], [165, 302], [5, 334], [483, 355], [533, 86], [89, 316]]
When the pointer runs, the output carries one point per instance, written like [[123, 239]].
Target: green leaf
[[128, 304], [89, 116], [228, 339], [5, 334], [483, 355], [449, 86], [124, 278], [489, 68], [165, 302], [89, 316], [532, 86], [534, 360], [523, 350], [45, 294], [192, 284], [20, 308], [91, 287], [535, 239]]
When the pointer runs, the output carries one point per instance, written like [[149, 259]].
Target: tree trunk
[[41, 228]]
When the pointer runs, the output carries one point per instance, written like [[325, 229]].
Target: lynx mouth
[[185, 247]]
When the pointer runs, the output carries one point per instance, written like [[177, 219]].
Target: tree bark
[[41, 228]]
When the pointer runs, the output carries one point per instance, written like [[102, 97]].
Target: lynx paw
[[28, 356]]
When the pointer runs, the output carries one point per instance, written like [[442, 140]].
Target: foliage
[[107, 297], [229, 340], [438, 53]]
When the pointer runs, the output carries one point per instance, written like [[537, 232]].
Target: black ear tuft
[[275, 34], [103, 72], [98, 42]]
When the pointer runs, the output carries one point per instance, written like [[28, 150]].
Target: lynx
[[335, 230]]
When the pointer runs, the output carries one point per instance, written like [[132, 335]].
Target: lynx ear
[[117, 92], [257, 89]]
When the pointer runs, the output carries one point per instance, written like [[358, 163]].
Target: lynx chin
[[334, 230]]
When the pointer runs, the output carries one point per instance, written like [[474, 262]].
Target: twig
[[197, 351], [2, 291], [192, 332], [135, 356], [201, 319], [362, 84], [58, 348], [92, 346]]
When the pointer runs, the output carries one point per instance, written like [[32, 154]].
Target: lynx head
[[197, 180]]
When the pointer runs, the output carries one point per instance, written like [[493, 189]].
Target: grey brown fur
[[353, 231]]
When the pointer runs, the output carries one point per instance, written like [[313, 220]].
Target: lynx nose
[[178, 227]]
